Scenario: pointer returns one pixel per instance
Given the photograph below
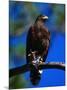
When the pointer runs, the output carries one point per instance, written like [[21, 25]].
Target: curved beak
[[45, 17]]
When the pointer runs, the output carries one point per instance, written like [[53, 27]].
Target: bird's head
[[42, 18]]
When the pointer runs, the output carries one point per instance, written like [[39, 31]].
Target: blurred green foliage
[[15, 27], [17, 82], [60, 13], [20, 50]]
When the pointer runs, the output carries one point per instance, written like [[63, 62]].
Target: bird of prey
[[38, 39]]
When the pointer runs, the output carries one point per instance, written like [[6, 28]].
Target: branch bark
[[52, 65], [26, 67]]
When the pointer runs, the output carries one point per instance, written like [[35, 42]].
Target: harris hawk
[[37, 45], [38, 39]]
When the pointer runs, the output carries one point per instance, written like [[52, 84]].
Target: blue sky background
[[22, 15]]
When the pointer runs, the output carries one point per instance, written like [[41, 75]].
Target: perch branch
[[26, 67], [52, 65], [19, 70]]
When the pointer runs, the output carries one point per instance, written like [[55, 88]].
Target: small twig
[[26, 67]]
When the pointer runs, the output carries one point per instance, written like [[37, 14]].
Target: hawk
[[38, 39], [37, 45]]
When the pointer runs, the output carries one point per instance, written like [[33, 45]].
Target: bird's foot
[[41, 60]]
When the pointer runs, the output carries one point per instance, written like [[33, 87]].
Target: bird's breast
[[39, 34]]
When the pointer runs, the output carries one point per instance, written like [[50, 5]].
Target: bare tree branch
[[27, 67], [52, 65], [19, 70]]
